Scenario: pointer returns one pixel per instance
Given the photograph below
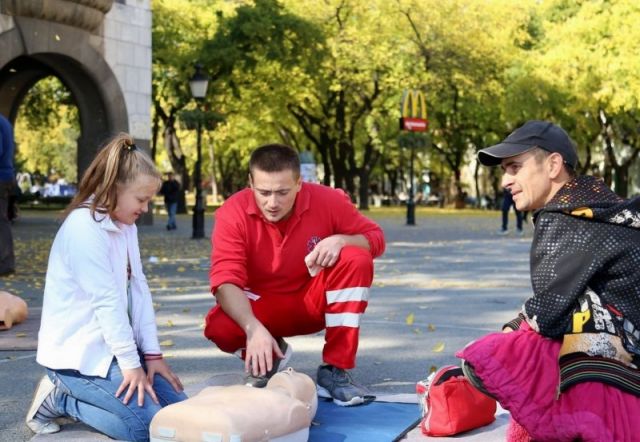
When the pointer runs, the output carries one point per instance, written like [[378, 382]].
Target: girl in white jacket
[[98, 338]]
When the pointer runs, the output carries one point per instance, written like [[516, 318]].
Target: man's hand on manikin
[[260, 349]]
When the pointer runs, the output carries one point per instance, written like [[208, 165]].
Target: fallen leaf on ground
[[410, 318]]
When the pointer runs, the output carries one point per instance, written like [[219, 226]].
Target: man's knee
[[357, 260], [355, 256], [222, 330]]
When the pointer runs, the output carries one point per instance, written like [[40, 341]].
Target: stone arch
[[33, 49]]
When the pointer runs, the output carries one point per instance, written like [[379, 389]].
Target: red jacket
[[250, 252]]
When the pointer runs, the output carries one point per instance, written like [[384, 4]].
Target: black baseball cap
[[533, 133]]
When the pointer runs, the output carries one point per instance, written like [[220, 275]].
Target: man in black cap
[[585, 307], [529, 146]]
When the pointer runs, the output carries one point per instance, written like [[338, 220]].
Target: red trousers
[[334, 300]]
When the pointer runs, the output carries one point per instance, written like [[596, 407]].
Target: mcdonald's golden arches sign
[[414, 111]]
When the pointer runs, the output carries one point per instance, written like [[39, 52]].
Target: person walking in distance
[[7, 183], [170, 189], [507, 203]]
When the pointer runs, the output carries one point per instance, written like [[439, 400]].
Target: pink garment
[[521, 370], [516, 432]]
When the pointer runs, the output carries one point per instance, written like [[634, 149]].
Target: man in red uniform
[[291, 258]]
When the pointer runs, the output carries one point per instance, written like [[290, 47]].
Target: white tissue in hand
[[313, 268]]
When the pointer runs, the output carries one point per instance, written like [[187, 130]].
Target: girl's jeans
[[92, 400]]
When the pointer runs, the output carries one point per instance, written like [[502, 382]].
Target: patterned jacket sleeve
[[564, 257]]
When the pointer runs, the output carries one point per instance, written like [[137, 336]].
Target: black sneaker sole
[[358, 400]]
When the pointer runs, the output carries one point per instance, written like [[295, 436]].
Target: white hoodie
[[84, 313]]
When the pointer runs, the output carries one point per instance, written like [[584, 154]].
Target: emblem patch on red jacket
[[312, 242]]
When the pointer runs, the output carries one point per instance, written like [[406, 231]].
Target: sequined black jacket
[[586, 236]]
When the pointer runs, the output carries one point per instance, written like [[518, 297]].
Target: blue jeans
[[92, 400], [172, 208]]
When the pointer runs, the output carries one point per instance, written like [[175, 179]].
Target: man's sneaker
[[278, 365], [42, 412], [337, 384], [520, 232], [503, 232]]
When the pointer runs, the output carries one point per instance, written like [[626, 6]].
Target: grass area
[[373, 212], [401, 211]]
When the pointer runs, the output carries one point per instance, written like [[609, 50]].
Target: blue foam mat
[[374, 422]]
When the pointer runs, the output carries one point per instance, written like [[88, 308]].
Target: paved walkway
[[439, 285]]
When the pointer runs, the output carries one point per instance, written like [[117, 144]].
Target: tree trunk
[[621, 180], [476, 174], [393, 182], [326, 161], [172, 144], [214, 183], [155, 128], [459, 198], [363, 192]]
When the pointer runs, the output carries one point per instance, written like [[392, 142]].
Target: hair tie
[[130, 147]]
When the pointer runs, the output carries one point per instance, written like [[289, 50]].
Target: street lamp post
[[198, 85], [414, 119], [411, 203]]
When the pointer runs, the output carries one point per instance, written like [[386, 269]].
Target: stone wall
[[85, 14], [127, 49], [118, 31]]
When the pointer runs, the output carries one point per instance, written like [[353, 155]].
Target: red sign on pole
[[414, 124]]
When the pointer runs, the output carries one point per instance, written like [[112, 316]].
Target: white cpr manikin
[[280, 412]]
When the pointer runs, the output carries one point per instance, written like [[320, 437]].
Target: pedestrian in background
[[7, 183], [171, 191], [507, 203]]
